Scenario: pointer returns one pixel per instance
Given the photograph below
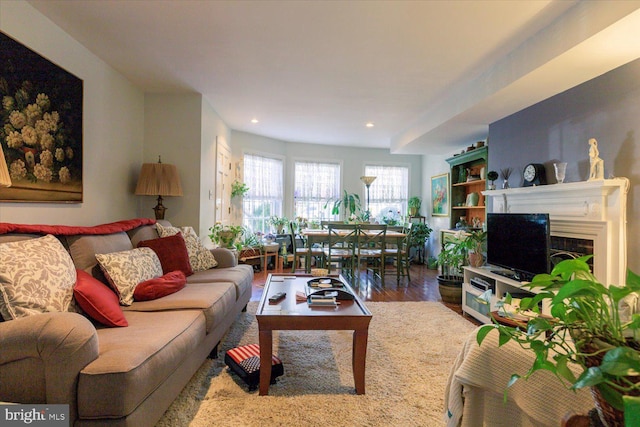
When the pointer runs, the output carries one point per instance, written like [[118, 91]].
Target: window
[[264, 177], [314, 184], [389, 192]]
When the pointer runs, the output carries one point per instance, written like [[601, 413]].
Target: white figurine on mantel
[[596, 170]]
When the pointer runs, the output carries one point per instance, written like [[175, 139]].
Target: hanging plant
[[238, 189]]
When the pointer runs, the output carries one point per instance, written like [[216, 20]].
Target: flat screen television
[[519, 243]]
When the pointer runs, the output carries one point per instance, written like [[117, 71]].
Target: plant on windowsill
[[278, 222], [590, 329], [238, 189], [349, 202]]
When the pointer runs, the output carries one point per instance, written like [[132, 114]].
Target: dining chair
[[400, 253], [302, 250], [370, 247], [340, 248]]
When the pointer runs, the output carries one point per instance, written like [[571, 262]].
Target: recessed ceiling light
[[254, 121], [369, 124]]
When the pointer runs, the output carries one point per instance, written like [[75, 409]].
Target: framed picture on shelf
[[440, 195]]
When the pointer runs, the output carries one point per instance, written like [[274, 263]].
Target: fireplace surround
[[592, 211]]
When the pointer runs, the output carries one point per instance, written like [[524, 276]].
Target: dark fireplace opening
[[568, 247]]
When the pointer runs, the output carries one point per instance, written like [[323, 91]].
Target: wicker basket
[[609, 415]]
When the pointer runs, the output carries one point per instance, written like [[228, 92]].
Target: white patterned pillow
[[125, 269], [36, 276], [200, 257]]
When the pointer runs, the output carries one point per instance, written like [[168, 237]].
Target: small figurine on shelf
[[595, 162], [462, 223]]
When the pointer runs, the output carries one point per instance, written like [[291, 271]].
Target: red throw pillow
[[160, 286], [98, 300], [172, 252]]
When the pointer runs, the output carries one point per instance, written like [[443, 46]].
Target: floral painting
[[440, 195], [41, 128]]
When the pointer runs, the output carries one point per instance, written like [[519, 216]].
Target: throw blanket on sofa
[[69, 230], [479, 377]]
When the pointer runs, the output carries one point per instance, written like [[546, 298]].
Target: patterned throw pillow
[[125, 269], [36, 276], [200, 257]]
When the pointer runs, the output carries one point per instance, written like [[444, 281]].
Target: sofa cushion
[[97, 300], [241, 276], [145, 232], [160, 286], [36, 276], [172, 252], [84, 247], [199, 256], [125, 270], [134, 363], [215, 300]]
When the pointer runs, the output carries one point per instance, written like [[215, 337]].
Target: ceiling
[[430, 75]]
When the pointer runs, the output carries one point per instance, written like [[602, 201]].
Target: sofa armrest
[[225, 257], [42, 356]]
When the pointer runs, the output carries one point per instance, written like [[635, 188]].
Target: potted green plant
[[474, 246], [350, 203], [492, 176], [451, 259], [278, 222], [414, 203], [238, 189], [226, 236], [587, 330], [418, 235]]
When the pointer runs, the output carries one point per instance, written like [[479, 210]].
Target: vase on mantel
[[505, 184]]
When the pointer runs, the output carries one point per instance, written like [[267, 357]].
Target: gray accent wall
[[558, 129]]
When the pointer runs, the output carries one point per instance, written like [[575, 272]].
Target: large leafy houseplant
[[419, 234], [586, 329], [349, 202]]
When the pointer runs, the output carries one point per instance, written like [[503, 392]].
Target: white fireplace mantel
[[594, 210]]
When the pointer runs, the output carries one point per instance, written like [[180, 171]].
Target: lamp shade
[[159, 179], [367, 180]]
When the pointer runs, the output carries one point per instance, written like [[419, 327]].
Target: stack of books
[[322, 300]]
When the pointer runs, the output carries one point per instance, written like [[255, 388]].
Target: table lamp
[[368, 180], [159, 179]]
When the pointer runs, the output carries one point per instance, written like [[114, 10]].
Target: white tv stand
[[501, 285]]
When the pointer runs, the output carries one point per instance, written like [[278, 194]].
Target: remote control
[[277, 297]]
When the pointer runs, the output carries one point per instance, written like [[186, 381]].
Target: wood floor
[[423, 286]]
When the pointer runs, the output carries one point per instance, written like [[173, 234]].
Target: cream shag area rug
[[412, 346]]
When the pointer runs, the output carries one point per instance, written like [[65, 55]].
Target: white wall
[[213, 130], [353, 160], [172, 129], [113, 114], [433, 165], [183, 129]]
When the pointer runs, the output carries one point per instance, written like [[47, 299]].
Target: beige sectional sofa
[[120, 376]]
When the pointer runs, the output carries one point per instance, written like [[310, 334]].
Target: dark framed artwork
[[440, 195], [40, 128]]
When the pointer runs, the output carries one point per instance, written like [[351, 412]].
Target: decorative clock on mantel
[[534, 174]]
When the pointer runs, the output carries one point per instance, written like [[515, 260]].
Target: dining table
[[321, 236]]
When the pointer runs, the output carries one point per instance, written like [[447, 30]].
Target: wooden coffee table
[[291, 315]]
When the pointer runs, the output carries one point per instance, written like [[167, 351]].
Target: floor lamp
[[368, 180]]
